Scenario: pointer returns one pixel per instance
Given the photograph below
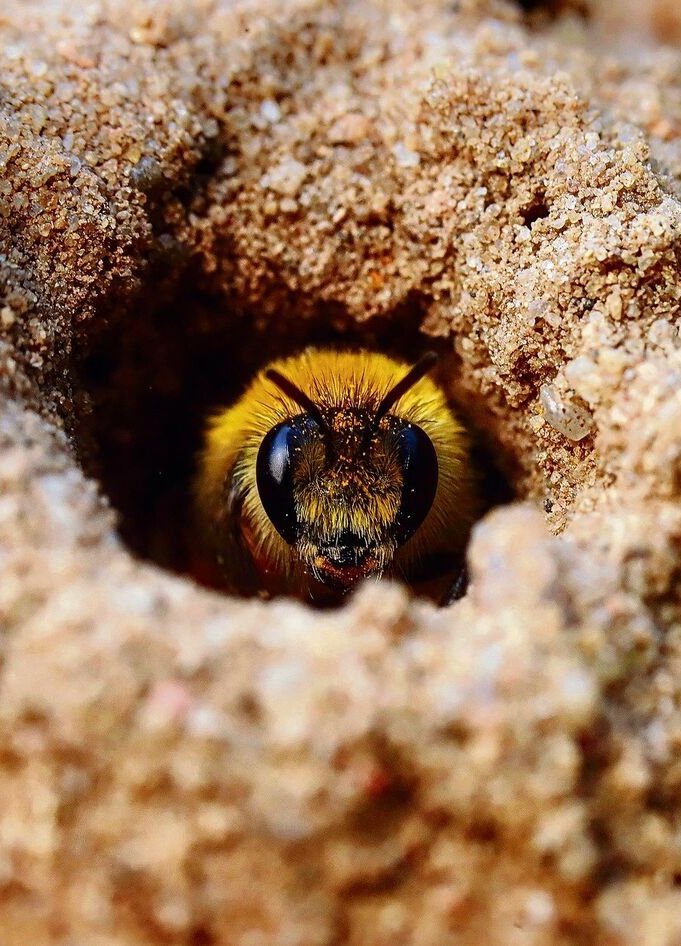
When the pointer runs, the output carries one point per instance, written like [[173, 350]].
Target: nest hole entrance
[[154, 374], [553, 9]]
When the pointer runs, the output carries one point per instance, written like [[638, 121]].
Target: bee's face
[[344, 491], [334, 466]]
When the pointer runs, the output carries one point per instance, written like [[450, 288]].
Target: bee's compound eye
[[275, 481], [420, 475]]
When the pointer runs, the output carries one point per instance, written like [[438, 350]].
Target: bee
[[332, 467]]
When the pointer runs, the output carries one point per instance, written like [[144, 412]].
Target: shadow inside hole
[[554, 8], [154, 376], [537, 210]]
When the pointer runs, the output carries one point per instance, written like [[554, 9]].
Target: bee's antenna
[[292, 391], [422, 367]]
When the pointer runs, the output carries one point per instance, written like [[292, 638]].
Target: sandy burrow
[[178, 767]]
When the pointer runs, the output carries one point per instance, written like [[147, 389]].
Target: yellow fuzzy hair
[[338, 379]]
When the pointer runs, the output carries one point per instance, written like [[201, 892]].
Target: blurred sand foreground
[[177, 767]]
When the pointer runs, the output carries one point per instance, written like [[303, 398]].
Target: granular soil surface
[[188, 188]]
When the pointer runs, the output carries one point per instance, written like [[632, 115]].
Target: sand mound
[[187, 188]]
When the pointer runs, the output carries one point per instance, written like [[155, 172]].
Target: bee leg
[[457, 589]]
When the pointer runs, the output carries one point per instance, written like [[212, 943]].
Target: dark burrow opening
[[555, 8], [154, 373]]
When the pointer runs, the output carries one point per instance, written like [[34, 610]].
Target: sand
[[187, 188]]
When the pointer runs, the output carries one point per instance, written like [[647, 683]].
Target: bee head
[[347, 486]]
